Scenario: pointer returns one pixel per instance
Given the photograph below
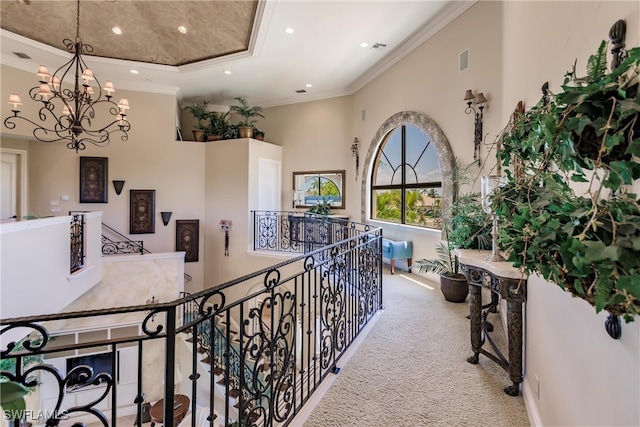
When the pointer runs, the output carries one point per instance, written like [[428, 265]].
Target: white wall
[[45, 285], [584, 376]]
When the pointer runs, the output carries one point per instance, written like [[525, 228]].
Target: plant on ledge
[[245, 125], [567, 213], [323, 207]]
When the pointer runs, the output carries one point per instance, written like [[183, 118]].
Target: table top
[[180, 408], [478, 258]]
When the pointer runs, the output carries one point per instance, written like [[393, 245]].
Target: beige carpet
[[411, 369]]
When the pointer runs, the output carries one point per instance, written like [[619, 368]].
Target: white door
[[13, 184], [268, 185], [8, 178]]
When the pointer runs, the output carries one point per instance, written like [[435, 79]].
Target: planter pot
[[213, 137], [454, 289], [198, 135], [245, 131]]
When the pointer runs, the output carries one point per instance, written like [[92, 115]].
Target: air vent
[[301, 91], [464, 60], [22, 55], [378, 46]]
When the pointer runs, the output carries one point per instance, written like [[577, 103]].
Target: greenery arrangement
[[323, 207], [465, 226], [246, 111], [218, 124], [566, 211], [199, 112]]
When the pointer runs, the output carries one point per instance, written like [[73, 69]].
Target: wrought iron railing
[[76, 239], [314, 306], [297, 232], [122, 246]]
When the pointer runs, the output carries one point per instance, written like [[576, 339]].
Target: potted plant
[[218, 126], [199, 111], [245, 126], [465, 225], [453, 284], [258, 134], [323, 207]]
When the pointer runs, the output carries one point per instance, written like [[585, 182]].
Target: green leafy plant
[[445, 264], [246, 111], [199, 111], [218, 124], [323, 207], [566, 212]]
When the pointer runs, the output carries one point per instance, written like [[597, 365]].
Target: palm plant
[[246, 112]]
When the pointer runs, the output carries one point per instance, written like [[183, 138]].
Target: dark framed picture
[[142, 209], [93, 179], [187, 240]]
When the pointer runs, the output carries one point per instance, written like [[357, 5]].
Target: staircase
[[245, 372]]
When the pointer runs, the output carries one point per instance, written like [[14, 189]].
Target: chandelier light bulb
[[55, 82], [45, 91], [124, 105], [43, 73], [14, 99], [108, 87], [87, 75]]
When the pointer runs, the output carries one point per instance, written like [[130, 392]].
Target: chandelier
[[69, 114]]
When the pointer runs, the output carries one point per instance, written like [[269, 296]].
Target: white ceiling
[[324, 51]]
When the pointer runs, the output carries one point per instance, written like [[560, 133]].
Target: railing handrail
[[370, 230]]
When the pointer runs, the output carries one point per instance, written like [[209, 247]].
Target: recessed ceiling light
[[309, 85], [288, 30], [116, 30], [227, 72], [182, 29], [364, 44], [134, 71]]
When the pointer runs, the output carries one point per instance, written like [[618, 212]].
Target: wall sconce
[[225, 225], [166, 216], [477, 134], [355, 152], [117, 185]]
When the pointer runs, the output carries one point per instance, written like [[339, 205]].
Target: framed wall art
[[93, 179], [142, 208], [187, 240]]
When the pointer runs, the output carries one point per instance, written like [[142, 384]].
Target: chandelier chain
[[78, 21]]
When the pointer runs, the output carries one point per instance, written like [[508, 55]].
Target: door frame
[[22, 178]]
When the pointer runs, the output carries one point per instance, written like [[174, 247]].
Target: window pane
[[424, 207], [386, 205], [422, 159], [388, 160]]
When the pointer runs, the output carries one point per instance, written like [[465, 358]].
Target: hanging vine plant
[[567, 212]]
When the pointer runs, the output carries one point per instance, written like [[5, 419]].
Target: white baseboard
[[531, 403]]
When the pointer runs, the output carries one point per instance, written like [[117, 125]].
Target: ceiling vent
[[378, 46], [22, 55], [301, 91]]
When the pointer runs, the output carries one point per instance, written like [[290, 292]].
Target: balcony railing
[[298, 232], [255, 359], [76, 239]]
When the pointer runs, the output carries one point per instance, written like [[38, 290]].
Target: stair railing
[[334, 292]]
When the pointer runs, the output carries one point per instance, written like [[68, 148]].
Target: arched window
[[406, 163]]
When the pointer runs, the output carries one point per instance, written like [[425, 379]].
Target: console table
[[505, 281]]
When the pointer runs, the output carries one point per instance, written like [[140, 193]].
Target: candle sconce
[[355, 152], [479, 100], [166, 216], [117, 185], [225, 225]]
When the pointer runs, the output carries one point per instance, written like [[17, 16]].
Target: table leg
[[514, 331], [475, 309]]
